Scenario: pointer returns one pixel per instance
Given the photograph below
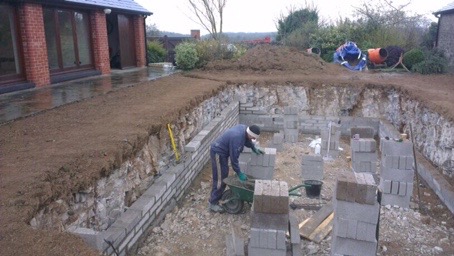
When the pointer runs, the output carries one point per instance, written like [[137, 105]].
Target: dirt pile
[[272, 57]]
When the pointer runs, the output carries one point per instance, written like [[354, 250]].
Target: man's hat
[[253, 131]]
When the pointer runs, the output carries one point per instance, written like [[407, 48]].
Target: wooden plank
[[323, 230], [309, 225]]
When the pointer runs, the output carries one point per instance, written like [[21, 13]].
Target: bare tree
[[209, 14]]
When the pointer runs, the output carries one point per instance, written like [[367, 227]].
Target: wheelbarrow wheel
[[232, 203]]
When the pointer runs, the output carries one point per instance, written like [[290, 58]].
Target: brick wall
[[100, 41], [34, 44], [139, 36]]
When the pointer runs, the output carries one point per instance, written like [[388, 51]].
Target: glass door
[[10, 60], [68, 40]]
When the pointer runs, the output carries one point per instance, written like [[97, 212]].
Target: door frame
[[78, 67]]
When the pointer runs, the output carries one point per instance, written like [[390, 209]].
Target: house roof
[[128, 5], [446, 9]]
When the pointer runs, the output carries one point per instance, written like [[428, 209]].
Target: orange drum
[[378, 55]]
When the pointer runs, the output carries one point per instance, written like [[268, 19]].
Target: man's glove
[[258, 151], [242, 176]]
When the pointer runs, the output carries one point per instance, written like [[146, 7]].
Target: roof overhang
[[115, 5]]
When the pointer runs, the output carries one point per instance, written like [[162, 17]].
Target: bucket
[[377, 56], [313, 188]]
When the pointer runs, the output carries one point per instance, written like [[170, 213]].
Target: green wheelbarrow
[[239, 192]]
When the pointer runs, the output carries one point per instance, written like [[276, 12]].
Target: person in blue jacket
[[229, 145]]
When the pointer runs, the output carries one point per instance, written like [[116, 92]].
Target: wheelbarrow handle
[[299, 186], [248, 182]]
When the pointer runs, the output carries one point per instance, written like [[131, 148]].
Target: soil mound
[[273, 57]]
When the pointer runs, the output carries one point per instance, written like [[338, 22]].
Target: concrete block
[[393, 148], [351, 228], [396, 174], [366, 231], [265, 160], [134, 239], [386, 186], [402, 189], [269, 221], [364, 157], [360, 212], [354, 145], [113, 236], [368, 145], [157, 189], [346, 246], [294, 231], [312, 167], [366, 192], [346, 187], [364, 167], [253, 251], [128, 220], [260, 172], [268, 238], [280, 240], [394, 187], [401, 201], [390, 162], [143, 204], [363, 131], [167, 179], [271, 196], [178, 170], [259, 197], [254, 237]]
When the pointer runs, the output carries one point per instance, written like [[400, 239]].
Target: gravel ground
[[190, 229]]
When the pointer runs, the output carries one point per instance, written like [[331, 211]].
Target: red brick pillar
[[100, 42], [139, 35], [34, 44]]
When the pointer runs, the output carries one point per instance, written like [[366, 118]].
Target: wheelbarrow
[[239, 192]]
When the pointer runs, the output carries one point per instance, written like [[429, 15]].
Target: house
[[445, 36], [49, 41]]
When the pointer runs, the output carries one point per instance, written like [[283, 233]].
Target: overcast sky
[[262, 15]]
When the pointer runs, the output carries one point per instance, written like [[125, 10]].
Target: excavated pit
[[103, 205], [99, 207]]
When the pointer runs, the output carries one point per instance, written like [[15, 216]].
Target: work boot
[[216, 208]]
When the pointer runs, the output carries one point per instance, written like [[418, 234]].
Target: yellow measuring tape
[[174, 146]]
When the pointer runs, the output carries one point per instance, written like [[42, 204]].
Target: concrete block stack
[[312, 167], [396, 173], [258, 166], [356, 215], [270, 219], [364, 155], [291, 124], [330, 135]]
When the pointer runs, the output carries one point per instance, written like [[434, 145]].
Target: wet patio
[[29, 102]]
